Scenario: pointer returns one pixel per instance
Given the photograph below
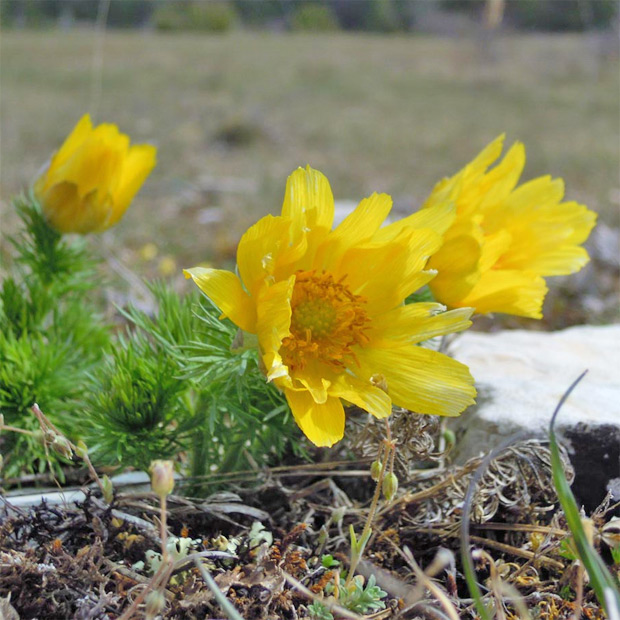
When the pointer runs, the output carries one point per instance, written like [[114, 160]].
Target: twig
[[160, 577], [499, 546], [223, 602], [46, 425], [424, 579]]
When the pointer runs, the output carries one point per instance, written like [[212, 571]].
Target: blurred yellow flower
[[167, 265], [148, 251], [505, 237], [93, 178], [327, 308]]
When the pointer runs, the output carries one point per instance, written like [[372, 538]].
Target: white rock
[[521, 376], [525, 373]]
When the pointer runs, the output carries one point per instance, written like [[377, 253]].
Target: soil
[[91, 560]]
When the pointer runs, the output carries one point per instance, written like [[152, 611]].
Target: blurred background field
[[234, 112]]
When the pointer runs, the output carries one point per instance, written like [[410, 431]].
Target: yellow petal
[[525, 205], [74, 140], [224, 289], [366, 219], [501, 180], [421, 380], [546, 240], [458, 188], [358, 227], [137, 165], [457, 265], [308, 200], [317, 387], [558, 261], [438, 217], [494, 246], [362, 394], [385, 274], [486, 157], [512, 292], [416, 323], [68, 212], [261, 251], [273, 324], [322, 424], [94, 166]]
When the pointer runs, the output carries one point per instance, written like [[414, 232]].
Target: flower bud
[[108, 489], [91, 180], [162, 477], [322, 535], [62, 446], [376, 469], [390, 486], [338, 514], [81, 449]]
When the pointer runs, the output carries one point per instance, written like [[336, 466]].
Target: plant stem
[[386, 449], [163, 528], [198, 469], [15, 429], [224, 603]]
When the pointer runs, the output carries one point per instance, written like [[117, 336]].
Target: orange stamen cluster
[[327, 320]]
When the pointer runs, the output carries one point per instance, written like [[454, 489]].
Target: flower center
[[327, 320]]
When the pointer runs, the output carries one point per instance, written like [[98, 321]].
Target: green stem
[[199, 461], [356, 557]]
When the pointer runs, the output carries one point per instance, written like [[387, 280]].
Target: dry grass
[[390, 114]]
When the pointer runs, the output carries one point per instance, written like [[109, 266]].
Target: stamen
[[327, 321]]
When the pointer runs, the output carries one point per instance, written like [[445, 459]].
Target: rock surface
[[521, 376]]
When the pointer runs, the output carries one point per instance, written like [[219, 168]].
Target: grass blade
[[603, 583], [466, 559]]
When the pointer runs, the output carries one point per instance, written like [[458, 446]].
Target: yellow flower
[[327, 308], [505, 237], [93, 178]]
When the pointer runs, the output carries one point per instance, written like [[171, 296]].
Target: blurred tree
[[260, 12], [374, 15], [211, 16], [566, 15], [314, 16], [130, 13], [34, 13], [547, 15]]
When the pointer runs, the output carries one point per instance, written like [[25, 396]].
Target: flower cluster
[[328, 306]]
